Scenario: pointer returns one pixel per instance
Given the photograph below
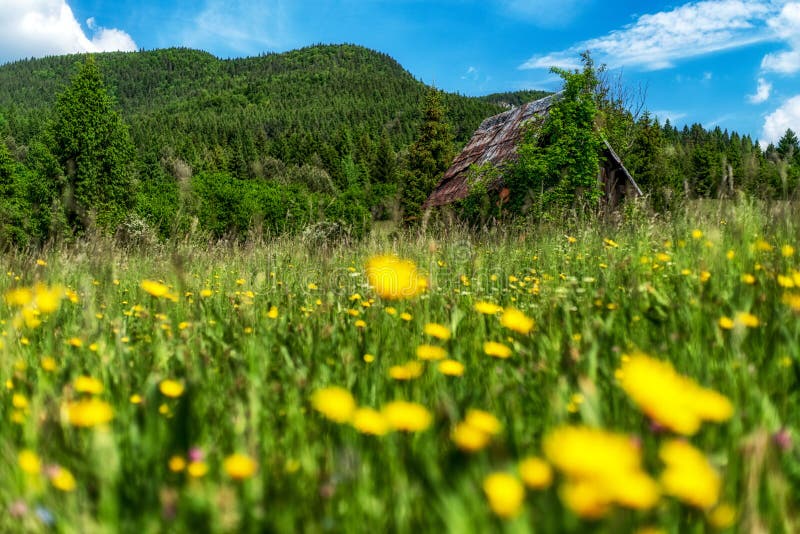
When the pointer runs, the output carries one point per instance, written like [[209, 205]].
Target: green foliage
[[94, 149], [558, 163], [429, 156]]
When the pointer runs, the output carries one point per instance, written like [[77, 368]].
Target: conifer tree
[[95, 151], [429, 156]]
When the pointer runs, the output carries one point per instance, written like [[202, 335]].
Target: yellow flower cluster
[[688, 476], [668, 398], [34, 302], [338, 405], [602, 469], [476, 430], [393, 278]]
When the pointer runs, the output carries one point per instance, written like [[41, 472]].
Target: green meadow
[[640, 376]]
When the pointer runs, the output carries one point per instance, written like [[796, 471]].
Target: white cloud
[[35, 28], [663, 115], [787, 28], [657, 41], [762, 92], [785, 117]]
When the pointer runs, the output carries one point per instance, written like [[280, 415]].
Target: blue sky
[[732, 63]]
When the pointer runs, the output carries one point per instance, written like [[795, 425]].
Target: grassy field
[[272, 388]]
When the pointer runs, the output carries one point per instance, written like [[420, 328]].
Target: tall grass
[[596, 293]]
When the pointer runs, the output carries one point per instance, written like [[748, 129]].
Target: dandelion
[[468, 438], [688, 476], [393, 278], [746, 319], [407, 416], [505, 494], [205, 293], [88, 413], [87, 384], [431, 352], [498, 350], [335, 403], [75, 342], [487, 308], [370, 421], [197, 469], [536, 473], [439, 331], [156, 289], [360, 323], [722, 517], [176, 464], [29, 462], [405, 316], [610, 243], [135, 399], [748, 279], [484, 421], [239, 466], [517, 321], [451, 368], [726, 322], [171, 388], [787, 251], [670, 399], [697, 234], [409, 371], [61, 478], [369, 358]]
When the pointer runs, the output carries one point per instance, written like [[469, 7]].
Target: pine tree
[[94, 148], [383, 164], [788, 146], [429, 156]]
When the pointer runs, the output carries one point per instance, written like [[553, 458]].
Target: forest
[[339, 136]]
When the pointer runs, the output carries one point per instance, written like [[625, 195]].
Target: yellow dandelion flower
[[787, 251], [517, 321], [75, 342], [498, 350], [240, 466], [405, 316], [505, 494], [135, 399], [391, 310], [705, 276], [483, 421], [722, 517], [29, 462], [726, 322], [468, 438], [19, 401], [451, 368], [47, 299], [370, 421], [360, 323], [205, 293], [747, 319], [487, 308], [176, 464], [610, 243], [439, 331], [431, 352], [670, 399], [748, 279], [585, 498], [88, 413], [87, 384], [407, 416], [408, 371], [571, 240], [697, 234], [171, 388], [335, 403], [41, 263], [154, 288], [20, 296], [61, 478], [536, 473], [688, 475], [763, 246], [393, 278], [792, 300], [197, 469], [369, 358]]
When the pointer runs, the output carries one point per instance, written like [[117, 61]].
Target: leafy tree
[[94, 148], [559, 160], [429, 156]]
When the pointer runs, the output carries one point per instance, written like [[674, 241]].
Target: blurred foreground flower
[[517, 321], [392, 278], [407, 416], [671, 399], [688, 475], [240, 466], [505, 494], [88, 413], [602, 468], [335, 403]]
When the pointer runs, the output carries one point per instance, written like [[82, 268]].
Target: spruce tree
[[95, 151], [429, 156]]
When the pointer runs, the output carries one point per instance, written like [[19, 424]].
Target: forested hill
[[193, 102]]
